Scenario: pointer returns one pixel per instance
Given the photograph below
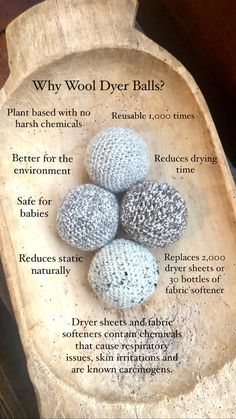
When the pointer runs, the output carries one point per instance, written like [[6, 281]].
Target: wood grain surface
[[190, 30], [17, 397], [44, 309], [201, 35]]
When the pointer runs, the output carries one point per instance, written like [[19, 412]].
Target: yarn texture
[[123, 273], [88, 217], [154, 213], [117, 158]]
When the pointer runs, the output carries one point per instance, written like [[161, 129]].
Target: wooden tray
[[94, 40]]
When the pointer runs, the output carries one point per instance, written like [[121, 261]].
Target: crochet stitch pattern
[[117, 158], [153, 213], [88, 217], [123, 273]]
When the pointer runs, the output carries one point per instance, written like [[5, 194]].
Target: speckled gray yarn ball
[[123, 273], [154, 213], [117, 158], [88, 217]]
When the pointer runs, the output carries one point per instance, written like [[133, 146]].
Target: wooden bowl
[[95, 44]]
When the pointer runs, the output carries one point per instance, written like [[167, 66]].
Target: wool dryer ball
[[88, 217], [123, 273], [117, 158], [154, 213]]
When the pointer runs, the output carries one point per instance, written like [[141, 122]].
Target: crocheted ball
[[88, 217], [123, 273], [117, 158], [154, 213]]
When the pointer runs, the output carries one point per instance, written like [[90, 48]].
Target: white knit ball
[[124, 273], [88, 217], [117, 158]]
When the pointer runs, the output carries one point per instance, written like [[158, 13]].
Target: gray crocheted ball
[[88, 217], [123, 273], [154, 213], [117, 158]]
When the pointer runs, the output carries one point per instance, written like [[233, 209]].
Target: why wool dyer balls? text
[[99, 85]]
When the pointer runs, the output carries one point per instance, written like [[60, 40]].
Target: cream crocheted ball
[[88, 217], [154, 213], [117, 158], [124, 273]]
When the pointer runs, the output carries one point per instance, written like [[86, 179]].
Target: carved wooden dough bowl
[[63, 39]]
